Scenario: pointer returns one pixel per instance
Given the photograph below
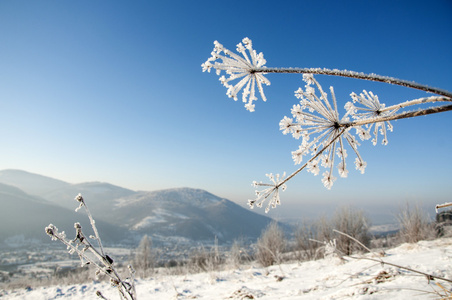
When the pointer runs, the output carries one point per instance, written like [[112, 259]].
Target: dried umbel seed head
[[239, 68], [50, 230], [79, 198], [77, 226]]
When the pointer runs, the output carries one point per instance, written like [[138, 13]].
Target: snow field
[[329, 278]]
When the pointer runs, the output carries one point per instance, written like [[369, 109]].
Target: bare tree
[[348, 220], [306, 248], [144, 259], [270, 245], [356, 224], [238, 254], [414, 225]]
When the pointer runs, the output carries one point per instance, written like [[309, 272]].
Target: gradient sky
[[113, 91]]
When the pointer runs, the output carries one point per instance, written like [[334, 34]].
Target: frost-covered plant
[[144, 259], [414, 225], [270, 245], [90, 255], [237, 67], [325, 135]]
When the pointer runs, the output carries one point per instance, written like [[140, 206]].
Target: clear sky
[[113, 91]]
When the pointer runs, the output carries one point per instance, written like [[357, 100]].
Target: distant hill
[[186, 212], [30, 183], [97, 194], [30, 202], [23, 217], [62, 193]]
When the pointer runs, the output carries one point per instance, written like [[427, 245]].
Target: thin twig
[[358, 242], [429, 276]]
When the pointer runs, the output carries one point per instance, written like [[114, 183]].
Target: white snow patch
[[159, 215], [322, 279]]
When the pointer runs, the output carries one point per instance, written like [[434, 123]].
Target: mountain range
[[30, 202]]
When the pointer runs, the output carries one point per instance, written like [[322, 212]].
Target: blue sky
[[113, 91]]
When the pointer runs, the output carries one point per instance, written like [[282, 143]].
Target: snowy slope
[[185, 212], [23, 218], [171, 214], [328, 278]]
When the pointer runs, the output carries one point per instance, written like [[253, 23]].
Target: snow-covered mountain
[[32, 201], [185, 212]]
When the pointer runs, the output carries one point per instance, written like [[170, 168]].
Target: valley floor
[[329, 278]]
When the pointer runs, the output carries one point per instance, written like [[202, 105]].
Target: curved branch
[[357, 75]]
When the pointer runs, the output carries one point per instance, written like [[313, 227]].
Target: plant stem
[[357, 75], [404, 115], [416, 102], [312, 158], [429, 276]]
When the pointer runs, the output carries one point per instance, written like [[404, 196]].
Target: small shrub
[[238, 254], [354, 223], [144, 259], [347, 220], [305, 247], [270, 245], [414, 225]]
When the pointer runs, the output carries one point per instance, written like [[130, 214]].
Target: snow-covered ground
[[329, 278]]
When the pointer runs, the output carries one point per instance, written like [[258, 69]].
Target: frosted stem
[[357, 75], [93, 225], [312, 158], [416, 102], [404, 115]]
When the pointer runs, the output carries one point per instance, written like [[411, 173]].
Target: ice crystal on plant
[[52, 231], [328, 179], [316, 121], [331, 248], [79, 199], [371, 108], [360, 165], [271, 190], [237, 67], [313, 167]]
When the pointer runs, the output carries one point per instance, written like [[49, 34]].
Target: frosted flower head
[[313, 167], [371, 108], [239, 67], [51, 231], [343, 172], [80, 200], [317, 122], [328, 179], [360, 165], [271, 191]]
